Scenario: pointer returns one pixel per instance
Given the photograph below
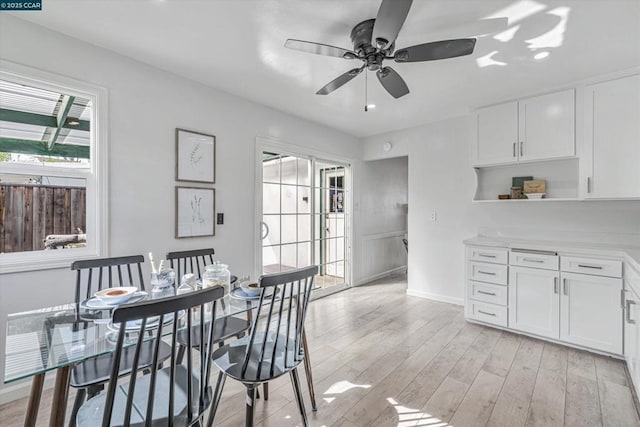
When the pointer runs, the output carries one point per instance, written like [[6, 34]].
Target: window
[[52, 170]]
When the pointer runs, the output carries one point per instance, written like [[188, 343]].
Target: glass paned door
[[305, 216]]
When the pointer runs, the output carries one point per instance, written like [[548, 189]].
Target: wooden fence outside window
[[31, 212]]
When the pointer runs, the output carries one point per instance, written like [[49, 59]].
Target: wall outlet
[[434, 216], [220, 218]]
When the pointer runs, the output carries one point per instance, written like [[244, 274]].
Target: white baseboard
[[435, 297], [368, 279], [16, 391]]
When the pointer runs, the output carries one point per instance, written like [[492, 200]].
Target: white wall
[[145, 106], [442, 180], [380, 205]]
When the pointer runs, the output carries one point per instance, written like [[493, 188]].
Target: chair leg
[[77, 403], [180, 355], [251, 401], [296, 388], [217, 395], [265, 389]]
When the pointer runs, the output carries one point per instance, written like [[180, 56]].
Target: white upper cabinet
[[612, 130], [497, 134], [547, 126], [537, 128]]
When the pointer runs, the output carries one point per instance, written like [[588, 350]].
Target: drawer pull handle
[[555, 285], [597, 267], [629, 320], [487, 272], [487, 255], [488, 314], [487, 293], [533, 260]]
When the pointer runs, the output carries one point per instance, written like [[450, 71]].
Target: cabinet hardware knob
[[486, 255], [487, 272], [597, 267], [488, 314], [628, 314]]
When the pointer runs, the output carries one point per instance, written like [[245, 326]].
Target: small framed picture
[[195, 212], [195, 156]]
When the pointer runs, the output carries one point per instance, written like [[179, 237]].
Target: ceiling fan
[[374, 41]]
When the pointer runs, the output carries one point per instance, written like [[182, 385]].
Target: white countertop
[[630, 254]]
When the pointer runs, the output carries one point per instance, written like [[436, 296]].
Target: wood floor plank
[[611, 370], [512, 405], [582, 402], [547, 402], [446, 399], [617, 405], [582, 364], [477, 405], [472, 360], [501, 357]]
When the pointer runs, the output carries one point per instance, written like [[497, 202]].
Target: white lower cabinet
[[533, 301], [632, 336], [591, 311]]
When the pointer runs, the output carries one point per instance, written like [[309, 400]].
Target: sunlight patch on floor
[[342, 386], [408, 417]]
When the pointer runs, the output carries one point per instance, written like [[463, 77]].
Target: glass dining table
[[58, 337]]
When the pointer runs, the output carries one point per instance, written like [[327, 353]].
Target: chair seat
[[90, 414], [230, 358], [225, 328], [97, 370]]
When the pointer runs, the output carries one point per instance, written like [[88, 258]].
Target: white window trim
[[96, 175]]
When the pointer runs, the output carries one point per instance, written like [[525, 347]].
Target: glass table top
[[52, 337]]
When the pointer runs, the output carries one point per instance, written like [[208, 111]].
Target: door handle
[[555, 285], [629, 320], [588, 184], [564, 286], [264, 228], [521, 148], [514, 149]]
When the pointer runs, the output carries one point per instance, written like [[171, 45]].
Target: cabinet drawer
[[594, 266], [483, 272], [534, 260], [485, 254], [494, 294], [485, 312]]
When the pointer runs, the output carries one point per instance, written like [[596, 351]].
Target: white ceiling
[[237, 46]]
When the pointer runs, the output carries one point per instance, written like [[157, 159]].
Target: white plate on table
[[152, 323], [239, 293], [98, 304]]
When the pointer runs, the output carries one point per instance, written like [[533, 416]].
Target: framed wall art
[[195, 156], [195, 212]]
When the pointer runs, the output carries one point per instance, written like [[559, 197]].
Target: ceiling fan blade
[[392, 82], [339, 81], [391, 17], [435, 50], [319, 49]]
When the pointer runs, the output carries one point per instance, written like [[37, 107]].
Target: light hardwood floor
[[382, 358]]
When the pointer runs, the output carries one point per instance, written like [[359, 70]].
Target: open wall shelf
[[561, 176]]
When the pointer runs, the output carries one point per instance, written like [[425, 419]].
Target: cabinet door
[[534, 305], [547, 126], [497, 135], [632, 335], [591, 311], [612, 130]]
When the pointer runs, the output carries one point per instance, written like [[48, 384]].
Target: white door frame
[[269, 144]]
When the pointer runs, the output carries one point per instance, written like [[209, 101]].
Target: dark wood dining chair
[[177, 395], [194, 261], [274, 346], [93, 275]]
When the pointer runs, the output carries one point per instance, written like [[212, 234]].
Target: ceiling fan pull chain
[[366, 99]]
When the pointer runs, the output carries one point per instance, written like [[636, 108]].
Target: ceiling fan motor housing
[[361, 38]]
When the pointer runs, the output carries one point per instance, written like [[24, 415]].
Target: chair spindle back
[[110, 272], [193, 261]]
